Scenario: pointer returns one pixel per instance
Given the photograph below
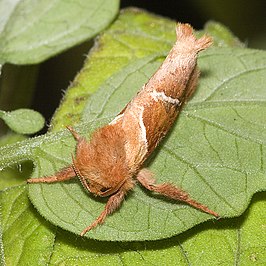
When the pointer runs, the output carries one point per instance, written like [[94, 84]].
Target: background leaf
[[221, 35], [23, 121], [32, 31], [235, 241], [212, 152], [26, 237], [14, 175], [231, 241]]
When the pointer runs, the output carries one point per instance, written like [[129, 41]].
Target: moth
[[111, 163]]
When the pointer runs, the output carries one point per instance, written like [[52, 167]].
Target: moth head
[[101, 163], [99, 179]]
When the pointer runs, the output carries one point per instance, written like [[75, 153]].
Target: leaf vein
[[184, 253], [237, 75], [227, 130], [176, 156]]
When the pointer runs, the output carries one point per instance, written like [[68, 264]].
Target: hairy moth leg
[[145, 177], [112, 204], [63, 175]]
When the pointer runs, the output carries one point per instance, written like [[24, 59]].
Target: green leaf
[[227, 241], [32, 31], [16, 174], [27, 239], [212, 153], [237, 241], [23, 121], [231, 241]]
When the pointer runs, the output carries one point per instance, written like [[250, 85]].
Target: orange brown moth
[[111, 162]]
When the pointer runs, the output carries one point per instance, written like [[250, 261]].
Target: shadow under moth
[[111, 163]]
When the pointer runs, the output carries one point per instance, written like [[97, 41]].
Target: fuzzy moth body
[[111, 162]]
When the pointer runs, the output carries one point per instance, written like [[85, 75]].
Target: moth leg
[[145, 177], [63, 175], [112, 204]]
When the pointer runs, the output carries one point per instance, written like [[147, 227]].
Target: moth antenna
[[76, 170], [74, 133], [79, 175]]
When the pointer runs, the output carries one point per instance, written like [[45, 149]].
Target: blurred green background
[[246, 19]]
